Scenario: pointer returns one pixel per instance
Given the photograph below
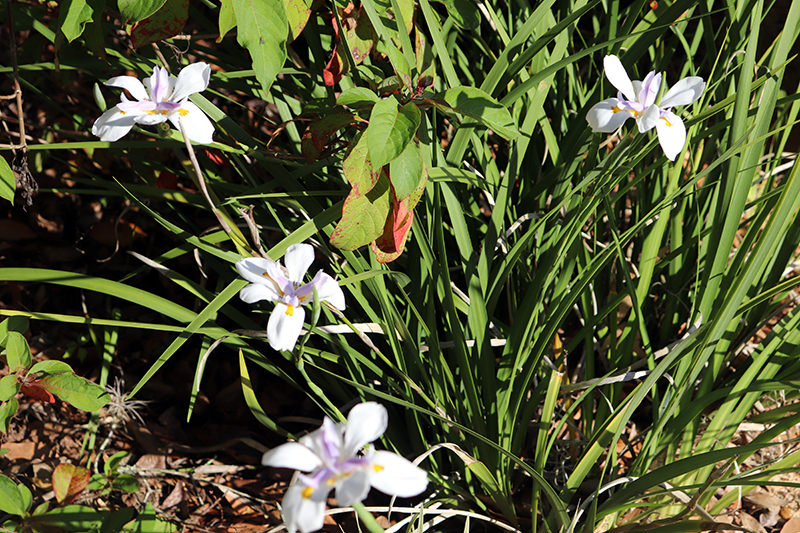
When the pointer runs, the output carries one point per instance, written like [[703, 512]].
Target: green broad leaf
[[297, 14], [25, 494], [50, 367], [12, 323], [136, 10], [390, 130], [97, 482], [405, 171], [69, 481], [73, 16], [125, 483], [167, 22], [399, 64], [363, 216], [7, 411], [386, 12], [9, 387], [75, 390], [77, 518], [357, 97], [18, 353], [263, 29], [227, 19], [8, 184], [11, 501], [476, 104], [149, 522], [464, 13], [110, 468]]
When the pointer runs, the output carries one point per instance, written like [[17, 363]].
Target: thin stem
[[201, 182]]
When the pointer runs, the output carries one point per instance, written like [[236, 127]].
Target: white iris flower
[[335, 458], [636, 99], [160, 98], [268, 282]]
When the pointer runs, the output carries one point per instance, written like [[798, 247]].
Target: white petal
[[198, 126], [684, 92], [365, 422], [301, 513], [159, 84], [113, 124], [606, 116], [326, 441], [328, 290], [616, 74], [353, 488], [284, 326], [191, 79], [255, 292], [396, 475], [647, 120], [291, 455], [150, 118], [297, 260], [253, 268], [133, 85], [671, 134]]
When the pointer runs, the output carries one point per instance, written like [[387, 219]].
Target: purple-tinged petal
[[137, 107], [649, 89], [328, 290], [292, 455]]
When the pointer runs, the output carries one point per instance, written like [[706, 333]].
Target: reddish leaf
[[37, 392], [319, 133], [167, 180], [391, 243], [360, 38], [69, 481], [167, 22]]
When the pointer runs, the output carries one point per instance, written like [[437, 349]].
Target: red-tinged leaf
[[69, 481], [363, 216], [216, 156], [332, 73], [167, 22], [37, 392], [319, 133], [390, 244], [167, 180], [297, 13]]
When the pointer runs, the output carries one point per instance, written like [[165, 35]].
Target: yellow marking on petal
[[378, 468], [615, 109], [289, 310], [123, 113], [669, 124], [151, 112], [307, 492], [183, 112]]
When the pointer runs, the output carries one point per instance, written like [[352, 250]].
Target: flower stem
[[367, 519]]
